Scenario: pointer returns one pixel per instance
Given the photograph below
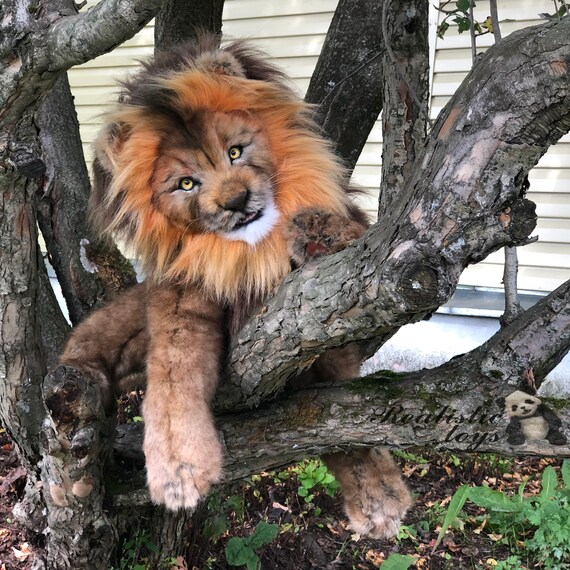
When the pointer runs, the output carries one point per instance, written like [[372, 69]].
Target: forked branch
[[460, 204]]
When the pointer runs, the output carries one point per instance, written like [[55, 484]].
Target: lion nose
[[237, 202]]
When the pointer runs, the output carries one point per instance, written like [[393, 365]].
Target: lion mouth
[[250, 218], [255, 226]]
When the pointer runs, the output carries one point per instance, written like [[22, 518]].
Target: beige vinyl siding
[[292, 33]]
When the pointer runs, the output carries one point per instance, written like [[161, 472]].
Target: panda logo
[[530, 419]]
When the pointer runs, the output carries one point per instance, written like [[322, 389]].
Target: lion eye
[[186, 183], [235, 152]]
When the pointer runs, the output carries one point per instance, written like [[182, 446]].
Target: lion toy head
[[201, 163]]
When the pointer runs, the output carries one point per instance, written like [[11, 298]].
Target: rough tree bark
[[179, 21], [39, 40], [406, 95]]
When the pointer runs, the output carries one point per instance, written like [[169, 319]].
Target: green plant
[[313, 475], [542, 520], [241, 551], [397, 562], [435, 514], [217, 521], [461, 16], [497, 462], [132, 555], [408, 456], [511, 563]]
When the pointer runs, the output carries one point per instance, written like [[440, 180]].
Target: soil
[[313, 534]]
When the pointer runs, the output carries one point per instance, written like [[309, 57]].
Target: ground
[[311, 528]]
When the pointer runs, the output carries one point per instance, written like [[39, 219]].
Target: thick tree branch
[[460, 205], [77, 38], [513, 307], [56, 41], [346, 85], [54, 329], [454, 407]]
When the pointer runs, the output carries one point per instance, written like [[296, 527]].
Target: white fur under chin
[[254, 232]]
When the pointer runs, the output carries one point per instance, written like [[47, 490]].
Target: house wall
[[292, 33]]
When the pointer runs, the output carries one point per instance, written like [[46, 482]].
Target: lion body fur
[[203, 169]]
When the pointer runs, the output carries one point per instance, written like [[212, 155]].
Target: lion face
[[216, 175], [202, 162]]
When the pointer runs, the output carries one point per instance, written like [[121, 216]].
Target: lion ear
[[107, 146], [220, 63]]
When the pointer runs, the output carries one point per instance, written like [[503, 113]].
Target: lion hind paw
[[376, 526]]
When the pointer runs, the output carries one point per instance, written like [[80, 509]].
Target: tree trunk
[[78, 533], [88, 270], [347, 83], [179, 22], [76, 438], [22, 365]]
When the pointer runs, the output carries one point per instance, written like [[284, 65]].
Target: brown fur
[[166, 183], [375, 495], [110, 346], [314, 232]]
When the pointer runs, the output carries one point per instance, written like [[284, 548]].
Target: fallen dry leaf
[[375, 557], [22, 553]]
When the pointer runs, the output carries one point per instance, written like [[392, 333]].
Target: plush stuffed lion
[[205, 169]]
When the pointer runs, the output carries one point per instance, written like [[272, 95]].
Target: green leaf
[[397, 562], [253, 563], [463, 24], [441, 29], [264, 534], [308, 482], [463, 5], [237, 552], [566, 473], [215, 526], [455, 506], [152, 547], [494, 500], [549, 483]]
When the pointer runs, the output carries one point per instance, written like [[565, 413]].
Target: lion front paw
[[181, 485], [179, 478]]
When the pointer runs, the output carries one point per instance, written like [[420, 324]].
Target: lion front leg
[[181, 445]]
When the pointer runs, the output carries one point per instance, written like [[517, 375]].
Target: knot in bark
[[419, 286], [519, 220], [71, 401]]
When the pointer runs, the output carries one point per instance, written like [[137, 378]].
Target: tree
[[473, 164]]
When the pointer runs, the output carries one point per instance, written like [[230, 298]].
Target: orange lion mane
[[190, 82]]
